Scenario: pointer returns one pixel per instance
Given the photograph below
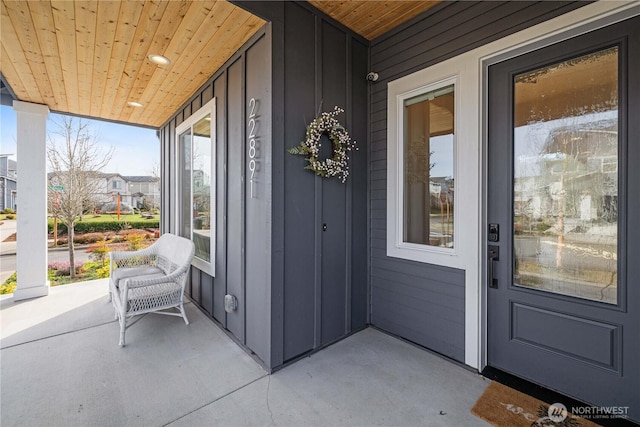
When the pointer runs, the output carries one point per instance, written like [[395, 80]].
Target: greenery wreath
[[338, 164]]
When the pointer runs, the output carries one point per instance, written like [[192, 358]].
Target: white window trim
[[208, 109], [398, 247], [465, 172]]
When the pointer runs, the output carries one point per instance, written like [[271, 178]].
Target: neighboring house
[[144, 190], [8, 182], [112, 185], [133, 190]]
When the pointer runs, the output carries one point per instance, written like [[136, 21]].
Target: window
[[428, 182], [117, 185], [421, 146], [196, 184]]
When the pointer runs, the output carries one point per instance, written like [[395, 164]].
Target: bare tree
[[75, 158]]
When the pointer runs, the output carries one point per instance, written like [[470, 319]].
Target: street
[[8, 252], [8, 261]]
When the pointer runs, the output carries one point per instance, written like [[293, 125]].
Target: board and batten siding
[[325, 221], [319, 238], [425, 303], [296, 255], [243, 237]]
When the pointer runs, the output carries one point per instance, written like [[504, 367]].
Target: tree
[[75, 159]]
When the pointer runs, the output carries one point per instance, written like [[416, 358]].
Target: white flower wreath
[[338, 164]]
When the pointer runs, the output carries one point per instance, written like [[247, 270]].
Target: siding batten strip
[[318, 194], [349, 190]]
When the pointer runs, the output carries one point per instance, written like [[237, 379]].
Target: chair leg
[[123, 328], [184, 314]]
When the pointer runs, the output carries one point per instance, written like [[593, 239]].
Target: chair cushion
[[125, 273]]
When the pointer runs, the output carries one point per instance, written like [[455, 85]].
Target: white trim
[[31, 194], [208, 109], [400, 90], [471, 69]]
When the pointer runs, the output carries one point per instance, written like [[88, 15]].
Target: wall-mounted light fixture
[[159, 59]]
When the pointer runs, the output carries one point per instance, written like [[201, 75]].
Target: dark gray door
[[564, 217]]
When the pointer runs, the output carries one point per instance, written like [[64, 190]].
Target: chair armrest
[[142, 282]]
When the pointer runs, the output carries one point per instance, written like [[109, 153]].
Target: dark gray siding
[[234, 203], [325, 65], [320, 276], [243, 236], [425, 303], [258, 206]]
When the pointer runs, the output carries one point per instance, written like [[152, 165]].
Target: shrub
[[63, 268], [8, 211], [103, 226], [94, 270], [99, 252], [88, 238], [136, 241], [10, 216], [103, 272], [9, 285]]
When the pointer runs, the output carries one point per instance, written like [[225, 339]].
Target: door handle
[[493, 254]]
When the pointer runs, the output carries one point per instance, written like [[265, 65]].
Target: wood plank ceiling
[[372, 18], [90, 58]]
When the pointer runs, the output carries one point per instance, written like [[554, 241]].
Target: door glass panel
[[565, 200]]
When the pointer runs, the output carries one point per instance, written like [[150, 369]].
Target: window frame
[[208, 109], [398, 92]]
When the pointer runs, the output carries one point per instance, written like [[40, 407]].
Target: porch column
[[31, 200]]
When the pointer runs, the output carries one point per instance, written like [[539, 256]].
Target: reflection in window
[[428, 168], [566, 177], [195, 174]]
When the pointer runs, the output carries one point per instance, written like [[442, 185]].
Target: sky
[[136, 149]]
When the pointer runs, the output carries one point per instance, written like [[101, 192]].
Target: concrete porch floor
[[61, 366]]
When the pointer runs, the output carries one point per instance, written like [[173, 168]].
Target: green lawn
[[114, 217]]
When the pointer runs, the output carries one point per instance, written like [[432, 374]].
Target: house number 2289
[[253, 149]]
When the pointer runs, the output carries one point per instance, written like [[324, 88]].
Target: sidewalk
[[8, 249], [7, 228]]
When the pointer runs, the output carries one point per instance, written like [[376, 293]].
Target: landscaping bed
[[98, 244]]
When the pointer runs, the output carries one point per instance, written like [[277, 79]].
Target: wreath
[[338, 164]]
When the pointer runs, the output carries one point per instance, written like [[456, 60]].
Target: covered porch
[[61, 365]]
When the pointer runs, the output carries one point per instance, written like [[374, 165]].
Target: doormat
[[503, 406]]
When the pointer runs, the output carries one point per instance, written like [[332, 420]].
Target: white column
[[31, 200]]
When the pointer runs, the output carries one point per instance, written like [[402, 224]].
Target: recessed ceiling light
[[159, 59], [135, 104]]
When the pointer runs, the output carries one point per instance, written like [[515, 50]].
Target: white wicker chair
[[150, 280]]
